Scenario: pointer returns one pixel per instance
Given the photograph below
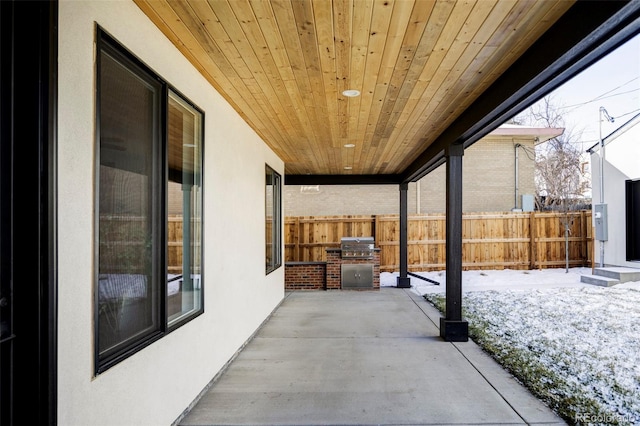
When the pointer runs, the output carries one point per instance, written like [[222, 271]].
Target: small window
[[273, 220], [149, 203]]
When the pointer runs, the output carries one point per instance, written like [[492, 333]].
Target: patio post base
[[454, 331], [403, 282]]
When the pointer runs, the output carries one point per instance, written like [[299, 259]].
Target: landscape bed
[[575, 346]]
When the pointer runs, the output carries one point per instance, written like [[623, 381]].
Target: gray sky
[[612, 83]]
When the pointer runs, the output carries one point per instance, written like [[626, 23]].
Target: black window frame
[[273, 234], [106, 42]]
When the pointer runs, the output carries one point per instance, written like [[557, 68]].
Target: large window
[[273, 220], [149, 203]]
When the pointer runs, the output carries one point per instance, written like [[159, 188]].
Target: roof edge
[[388, 179], [588, 31]]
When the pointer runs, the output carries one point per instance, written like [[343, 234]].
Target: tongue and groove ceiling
[[418, 65]]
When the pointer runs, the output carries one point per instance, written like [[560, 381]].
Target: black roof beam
[[584, 34], [381, 179]]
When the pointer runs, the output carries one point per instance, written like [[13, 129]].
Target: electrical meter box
[[600, 218], [527, 203]]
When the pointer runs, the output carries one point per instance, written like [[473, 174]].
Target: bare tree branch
[[559, 176]]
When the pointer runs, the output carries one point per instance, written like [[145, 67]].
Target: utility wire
[[599, 98], [604, 95], [612, 90], [529, 152], [628, 113]]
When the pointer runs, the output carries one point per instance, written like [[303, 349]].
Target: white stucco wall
[[155, 385], [622, 162]]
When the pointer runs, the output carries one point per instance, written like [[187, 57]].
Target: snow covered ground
[[575, 345], [495, 280]]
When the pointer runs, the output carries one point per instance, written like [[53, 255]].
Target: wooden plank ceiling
[[418, 64]]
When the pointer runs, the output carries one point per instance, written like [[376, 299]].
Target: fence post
[[532, 240], [538, 260], [583, 233], [296, 240], [375, 230]]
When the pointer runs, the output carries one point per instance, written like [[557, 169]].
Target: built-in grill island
[[356, 275], [355, 265]]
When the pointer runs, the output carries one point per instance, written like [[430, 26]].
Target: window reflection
[[126, 294], [185, 209]]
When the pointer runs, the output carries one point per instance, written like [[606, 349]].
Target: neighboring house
[[491, 168], [621, 195]]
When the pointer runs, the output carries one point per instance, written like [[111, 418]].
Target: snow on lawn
[[575, 345], [494, 280]]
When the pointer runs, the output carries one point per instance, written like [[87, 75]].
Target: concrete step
[[621, 274], [599, 280]]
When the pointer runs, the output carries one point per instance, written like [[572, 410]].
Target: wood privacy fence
[[174, 243], [125, 244], [489, 240]]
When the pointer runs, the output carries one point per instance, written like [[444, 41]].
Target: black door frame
[[28, 310], [632, 213]]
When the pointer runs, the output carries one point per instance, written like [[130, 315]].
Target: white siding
[[155, 385], [622, 162]]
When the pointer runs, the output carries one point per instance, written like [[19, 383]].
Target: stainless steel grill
[[357, 247]]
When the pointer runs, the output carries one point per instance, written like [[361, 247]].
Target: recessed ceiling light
[[348, 167], [349, 145], [351, 93]]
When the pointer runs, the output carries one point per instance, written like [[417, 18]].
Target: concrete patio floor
[[363, 357]]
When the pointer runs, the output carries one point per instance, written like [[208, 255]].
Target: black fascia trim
[[584, 34], [389, 179]]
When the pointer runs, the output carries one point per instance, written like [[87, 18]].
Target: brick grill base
[[305, 276], [326, 275]]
